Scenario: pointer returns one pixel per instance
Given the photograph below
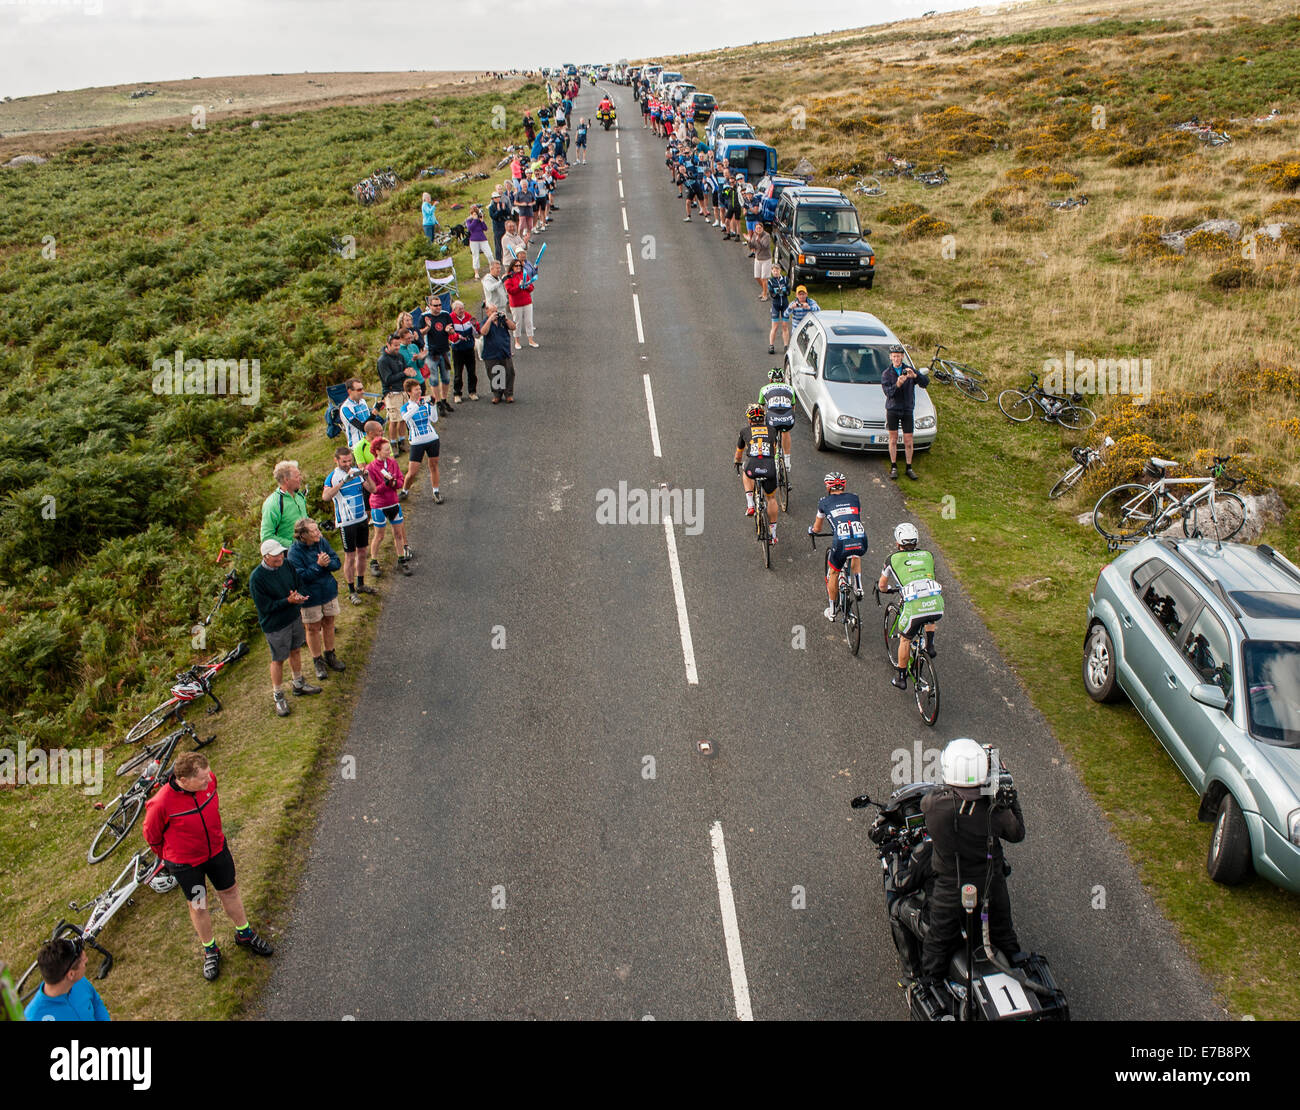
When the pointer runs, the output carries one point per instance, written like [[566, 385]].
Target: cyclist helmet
[[835, 481], [964, 763], [906, 535], [777, 375], [162, 883], [754, 414]]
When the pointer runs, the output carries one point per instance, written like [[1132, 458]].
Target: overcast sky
[[76, 44]]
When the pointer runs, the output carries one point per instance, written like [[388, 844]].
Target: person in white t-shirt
[[354, 412], [422, 437], [346, 488]]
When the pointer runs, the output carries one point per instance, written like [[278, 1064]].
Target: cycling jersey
[[844, 512], [420, 420], [920, 593], [350, 501], [354, 415], [797, 311], [778, 399], [758, 452]]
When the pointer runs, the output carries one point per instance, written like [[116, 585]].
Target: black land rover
[[817, 237]]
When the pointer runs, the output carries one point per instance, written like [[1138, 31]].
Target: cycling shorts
[[781, 422], [917, 614], [382, 517], [356, 535], [193, 878], [843, 550], [419, 451], [894, 419], [767, 482]]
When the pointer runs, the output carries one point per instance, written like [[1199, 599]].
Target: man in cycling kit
[[912, 572], [844, 512], [777, 399], [756, 456]]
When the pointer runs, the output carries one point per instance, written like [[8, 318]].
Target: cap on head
[[800, 289], [896, 350], [272, 547]]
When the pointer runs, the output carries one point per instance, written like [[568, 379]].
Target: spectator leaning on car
[[182, 824], [899, 384], [286, 505], [273, 586]]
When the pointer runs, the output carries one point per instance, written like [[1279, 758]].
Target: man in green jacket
[[286, 505]]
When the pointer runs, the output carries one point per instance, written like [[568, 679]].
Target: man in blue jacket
[[315, 562], [899, 384], [66, 994]]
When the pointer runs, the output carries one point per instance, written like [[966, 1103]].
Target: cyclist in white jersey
[[420, 417]]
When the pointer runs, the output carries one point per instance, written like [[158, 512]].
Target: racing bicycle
[[1019, 405], [1132, 511], [191, 684], [968, 380], [847, 607], [920, 666], [1084, 459]]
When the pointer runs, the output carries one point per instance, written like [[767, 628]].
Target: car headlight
[[925, 422], [848, 422], [810, 259], [1293, 827]]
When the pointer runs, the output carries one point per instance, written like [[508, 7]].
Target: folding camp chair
[[443, 281]]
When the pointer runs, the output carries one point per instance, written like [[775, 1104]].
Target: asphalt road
[[531, 830]]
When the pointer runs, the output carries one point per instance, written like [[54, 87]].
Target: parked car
[[834, 363], [703, 103], [816, 236], [680, 92], [770, 188], [729, 131], [1204, 639], [752, 158], [718, 120], [664, 80]]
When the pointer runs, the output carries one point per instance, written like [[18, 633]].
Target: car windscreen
[[855, 364], [1272, 670], [828, 224]]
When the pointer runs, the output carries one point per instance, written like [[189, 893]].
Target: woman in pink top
[[385, 502]]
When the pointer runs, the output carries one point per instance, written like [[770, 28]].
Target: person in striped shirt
[[346, 488], [420, 417], [800, 307], [354, 412]]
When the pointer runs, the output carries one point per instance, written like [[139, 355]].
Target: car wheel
[[1229, 861], [819, 436], [1099, 666], [870, 278]]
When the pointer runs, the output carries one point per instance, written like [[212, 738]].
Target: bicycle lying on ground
[[1084, 459], [152, 763], [226, 587], [374, 186], [967, 379], [1204, 132], [1019, 405], [191, 684], [1132, 511], [143, 868], [847, 607], [465, 178], [869, 187], [1069, 202], [920, 667]]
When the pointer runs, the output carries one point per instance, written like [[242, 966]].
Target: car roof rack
[[1277, 559], [1215, 586]]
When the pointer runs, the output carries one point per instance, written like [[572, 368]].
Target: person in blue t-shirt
[[66, 994], [354, 412], [346, 488], [845, 515]]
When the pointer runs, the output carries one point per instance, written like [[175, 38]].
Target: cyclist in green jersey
[[912, 572]]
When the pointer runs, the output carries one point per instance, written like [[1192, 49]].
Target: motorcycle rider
[[967, 824]]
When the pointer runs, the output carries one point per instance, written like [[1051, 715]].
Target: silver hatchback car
[[834, 365], [1204, 638]]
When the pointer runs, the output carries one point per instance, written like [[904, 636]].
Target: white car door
[[801, 350]]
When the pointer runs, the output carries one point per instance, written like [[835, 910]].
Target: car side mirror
[[865, 232], [1209, 694]]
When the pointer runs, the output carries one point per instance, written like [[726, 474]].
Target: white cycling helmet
[[906, 535], [964, 763], [162, 883]]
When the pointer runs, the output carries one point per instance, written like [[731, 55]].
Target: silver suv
[[1204, 639]]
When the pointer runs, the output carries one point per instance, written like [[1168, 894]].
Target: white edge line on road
[[620, 188], [636, 309], [618, 164], [617, 148], [624, 219], [630, 268], [683, 621], [730, 928], [654, 425]]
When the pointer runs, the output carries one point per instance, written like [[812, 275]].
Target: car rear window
[[1268, 606]]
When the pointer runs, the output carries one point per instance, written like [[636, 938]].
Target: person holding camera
[[498, 362], [967, 820], [346, 489], [477, 228], [900, 384]]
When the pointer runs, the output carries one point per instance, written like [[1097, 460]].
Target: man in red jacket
[[182, 824]]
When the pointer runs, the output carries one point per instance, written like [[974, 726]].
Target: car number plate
[[883, 438], [839, 273]]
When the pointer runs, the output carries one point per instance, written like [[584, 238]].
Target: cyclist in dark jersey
[[778, 399], [844, 512], [756, 457]]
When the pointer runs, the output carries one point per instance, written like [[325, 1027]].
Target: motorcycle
[[980, 983], [606, 116]]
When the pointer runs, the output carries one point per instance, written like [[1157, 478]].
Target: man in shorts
[[393, 375], [182, 824], [422, 434], [346, 488], [273, 586], [899, 383], [437, 359], [314, 561]]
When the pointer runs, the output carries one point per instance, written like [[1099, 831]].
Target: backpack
[[333, 422]]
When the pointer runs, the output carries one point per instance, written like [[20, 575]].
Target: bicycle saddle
[[1165, 463]]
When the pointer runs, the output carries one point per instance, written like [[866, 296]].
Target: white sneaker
[[829, 613]]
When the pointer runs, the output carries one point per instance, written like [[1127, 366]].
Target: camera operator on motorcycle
[[967, 820]]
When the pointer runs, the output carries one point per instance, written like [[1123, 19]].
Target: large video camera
[[999, 785]]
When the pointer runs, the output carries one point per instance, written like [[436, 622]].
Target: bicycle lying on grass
[[1068, 203], [920, 667], [1019, 405], [1132, 511], [152, 763], [143, 868], [374, 186], [191, 684], [1084, 459], [869, 187], [967, 379], [847, 608]]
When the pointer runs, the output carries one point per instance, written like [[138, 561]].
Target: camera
[[999, 784]]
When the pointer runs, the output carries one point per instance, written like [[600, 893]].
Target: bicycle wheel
[[114, 830], [925, 685], [785, 486], [763, 532], [1076, 417], [1067, 481], [971, 388], [140, 760], [152, 720], [1016, 406], [1220, 516], [891, 640], [852, 622], [1126, 512]]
